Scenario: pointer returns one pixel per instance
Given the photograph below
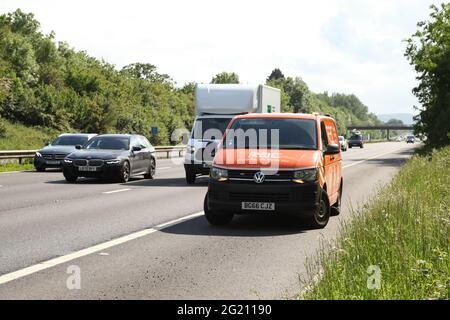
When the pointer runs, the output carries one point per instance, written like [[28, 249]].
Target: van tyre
[[151, 170], [214, 218], [336, 208], [319, 218], [190, 176]]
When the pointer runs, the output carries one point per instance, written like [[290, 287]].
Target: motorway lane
[[254, 257]]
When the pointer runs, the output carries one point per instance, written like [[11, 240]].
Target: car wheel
[[70, 177], [320, 217], [190, 176], [214, 218], [361, 146], [125, 172], [152, 170], [350, 147], [336, 208]]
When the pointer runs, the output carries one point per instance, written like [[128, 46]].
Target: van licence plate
[[263, 206], [87, 168]]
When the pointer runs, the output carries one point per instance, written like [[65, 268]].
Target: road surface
[[147, 239]]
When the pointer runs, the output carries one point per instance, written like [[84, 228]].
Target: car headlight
[[307, 175], [190, 149], [38, 154], [68, 161], [114, 161], [218, 174]]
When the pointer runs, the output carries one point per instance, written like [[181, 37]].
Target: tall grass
[[404, 232], [20, 137]]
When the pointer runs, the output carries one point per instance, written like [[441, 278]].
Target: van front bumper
[[289, 198]]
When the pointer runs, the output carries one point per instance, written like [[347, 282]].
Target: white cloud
[[348, 46]]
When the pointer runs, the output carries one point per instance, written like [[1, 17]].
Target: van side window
[[323, 134]]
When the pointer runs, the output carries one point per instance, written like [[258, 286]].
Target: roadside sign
[[154, 131]]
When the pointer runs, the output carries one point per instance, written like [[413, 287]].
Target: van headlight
[[38, 154], [306, 175], [218, 174], [68, 161]]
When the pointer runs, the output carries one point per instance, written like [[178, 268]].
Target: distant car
[[356, 140], [120, 156], [54, 153], [410, 139], [343, 143]]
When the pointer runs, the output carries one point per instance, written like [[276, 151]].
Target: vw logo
[[259, 177]]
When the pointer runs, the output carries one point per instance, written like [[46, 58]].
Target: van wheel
[[321, 215], [190, 176], [336, 208], [214, 218]]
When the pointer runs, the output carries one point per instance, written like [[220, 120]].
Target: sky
[[347, 46]]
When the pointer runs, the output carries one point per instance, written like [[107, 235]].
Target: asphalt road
[[44, 219]]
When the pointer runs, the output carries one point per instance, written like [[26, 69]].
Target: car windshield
[[210, 128], [109, 143], [254, 133], [69, 141], [356, 138]]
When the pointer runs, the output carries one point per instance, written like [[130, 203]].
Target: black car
[[118, 156], [356, 141], [53, 154]]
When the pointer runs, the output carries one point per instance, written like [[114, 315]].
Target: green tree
[[275, 75], [225, 77], [429, 51]]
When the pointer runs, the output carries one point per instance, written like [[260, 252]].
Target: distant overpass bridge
[[388, 128]]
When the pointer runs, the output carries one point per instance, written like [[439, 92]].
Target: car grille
[[85, 162], [248, 175], [58, 156], [258, 197]]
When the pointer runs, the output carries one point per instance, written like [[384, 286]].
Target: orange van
[[277, 163]]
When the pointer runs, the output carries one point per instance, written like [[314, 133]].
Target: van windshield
[[272, 133], [210, 128]]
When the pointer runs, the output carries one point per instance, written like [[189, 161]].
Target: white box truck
[[215, 106]]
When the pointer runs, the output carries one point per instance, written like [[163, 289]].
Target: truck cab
[[215, 107]]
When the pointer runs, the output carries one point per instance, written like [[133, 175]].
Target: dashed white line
[[163, 168], [97, 248], [116, 191]]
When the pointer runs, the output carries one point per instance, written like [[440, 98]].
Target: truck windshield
[[209, 128], [276, 133]]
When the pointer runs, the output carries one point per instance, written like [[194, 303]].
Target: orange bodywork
[[330, 166]]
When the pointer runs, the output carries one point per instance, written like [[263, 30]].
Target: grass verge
[[19, 137], [15, 167], [396, 247]]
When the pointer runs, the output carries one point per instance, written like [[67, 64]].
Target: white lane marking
[[163, 168], [370, 158], [116, 191], [97, 248]]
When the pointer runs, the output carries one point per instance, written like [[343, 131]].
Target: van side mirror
[[333, 149], [78, 146]]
